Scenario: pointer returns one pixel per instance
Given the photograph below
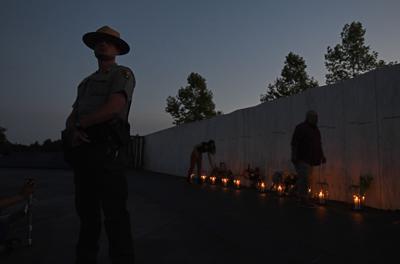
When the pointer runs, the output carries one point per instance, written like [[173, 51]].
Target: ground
[[174, 222]]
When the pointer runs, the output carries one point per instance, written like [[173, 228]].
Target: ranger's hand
[[79, 137]]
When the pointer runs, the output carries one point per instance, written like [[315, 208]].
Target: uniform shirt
[[94, 90]]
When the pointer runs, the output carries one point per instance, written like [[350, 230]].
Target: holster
[[108, 147]]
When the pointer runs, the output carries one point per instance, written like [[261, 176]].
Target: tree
[[47, 145], [293, 80], [3, 137], [4, 143], [352, 57], [193, 102], [51, 146], [34, 147]]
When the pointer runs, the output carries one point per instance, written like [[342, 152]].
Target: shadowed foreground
[[174, 222]]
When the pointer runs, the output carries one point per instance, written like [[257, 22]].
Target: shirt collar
[[113, 66]]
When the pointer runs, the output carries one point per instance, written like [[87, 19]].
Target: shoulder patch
[[124, 72], [127, 73]]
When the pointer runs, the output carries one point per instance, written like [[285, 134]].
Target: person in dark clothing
[[196, 158], [10, 201], [306, 152]]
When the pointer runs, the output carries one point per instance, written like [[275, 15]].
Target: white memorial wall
[[359, 120]]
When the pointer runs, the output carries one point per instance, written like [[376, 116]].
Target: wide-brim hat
[[108, 34]]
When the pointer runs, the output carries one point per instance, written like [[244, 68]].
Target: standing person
[[95, 144], [306, 153], [196, 157]]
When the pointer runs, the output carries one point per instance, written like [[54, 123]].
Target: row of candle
[[322, 195], [261, 186], [358, 200]]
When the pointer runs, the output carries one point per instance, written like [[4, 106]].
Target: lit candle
[[262, 186], [321, 197], [224, 181], [280, 189], [203, 178], [236, 183], [213, 179], [357, 201]]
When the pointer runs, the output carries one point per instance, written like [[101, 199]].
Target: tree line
[[6, 147], [349, 58]]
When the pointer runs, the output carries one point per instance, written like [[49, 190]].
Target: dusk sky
[[238, 46]]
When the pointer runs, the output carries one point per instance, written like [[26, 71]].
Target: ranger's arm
[[111, 108]]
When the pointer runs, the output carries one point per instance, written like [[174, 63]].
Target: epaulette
[[126, 72]]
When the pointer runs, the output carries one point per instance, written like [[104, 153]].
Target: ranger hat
[[108, 34]]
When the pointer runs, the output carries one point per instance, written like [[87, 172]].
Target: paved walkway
[[174, 222]]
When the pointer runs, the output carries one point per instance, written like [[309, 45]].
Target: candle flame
[[357, 200], [237, 182], [225, 181]]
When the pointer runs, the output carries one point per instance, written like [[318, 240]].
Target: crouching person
[[196, 158], [7, 202]]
